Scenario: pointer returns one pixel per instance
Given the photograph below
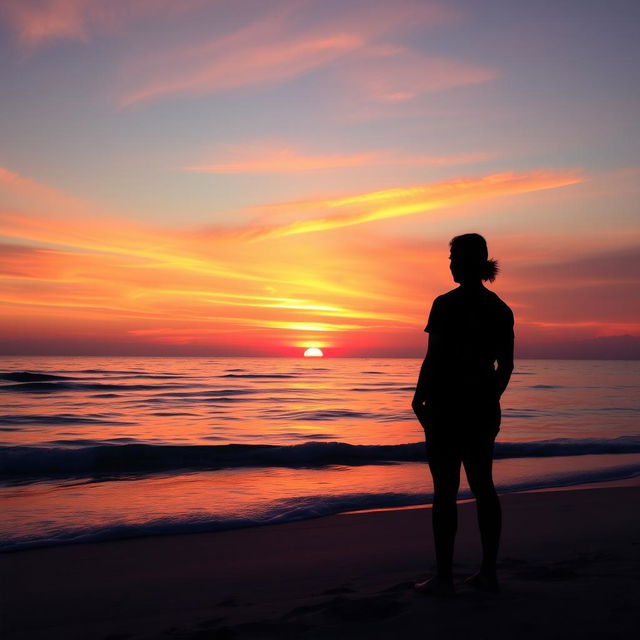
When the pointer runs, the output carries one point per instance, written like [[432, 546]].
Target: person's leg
[[478, 465], [444, 465]]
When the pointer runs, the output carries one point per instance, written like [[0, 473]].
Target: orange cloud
[[88, 275], [115, 266], [392, 203], [91, 278], [282, 158], [181, 298]]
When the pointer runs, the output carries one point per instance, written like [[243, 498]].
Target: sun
[[313, 352]]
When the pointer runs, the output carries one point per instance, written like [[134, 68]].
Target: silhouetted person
[[457, 401]]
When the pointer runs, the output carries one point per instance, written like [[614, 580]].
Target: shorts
[[462, 431]]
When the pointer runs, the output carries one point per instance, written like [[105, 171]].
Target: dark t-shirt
[[473, 326]]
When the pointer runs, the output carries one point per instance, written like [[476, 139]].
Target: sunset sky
[[208, 177]]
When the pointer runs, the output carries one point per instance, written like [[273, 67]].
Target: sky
[[256, 177]]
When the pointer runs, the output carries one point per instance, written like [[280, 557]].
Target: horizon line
[[299, 357]]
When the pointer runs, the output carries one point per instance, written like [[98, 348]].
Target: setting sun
[[313, 352]]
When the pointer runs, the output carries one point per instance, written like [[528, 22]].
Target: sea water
[[95, 448]]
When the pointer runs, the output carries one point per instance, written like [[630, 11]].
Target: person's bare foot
[[436, 586], [484, 582]]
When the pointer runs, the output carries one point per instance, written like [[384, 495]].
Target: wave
[[111, 371], [138, 458], [138, 373], [118, 373], [61, 418], [259, 375], [327, 414], [147, 376], [30, 376], [547, 386], [378, 389], [286, 510], [53, 387], [214, 393]]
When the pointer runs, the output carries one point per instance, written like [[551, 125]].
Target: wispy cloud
[[393, 74], [286, 40], [284, 158], [37, 23], [99, 266], [103, 277], [289, 41], [27, 191], [392, 203], [244, 64]]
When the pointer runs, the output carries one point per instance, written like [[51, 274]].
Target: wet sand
[[570, 568]]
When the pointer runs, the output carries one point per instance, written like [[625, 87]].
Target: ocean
[[95, 448]]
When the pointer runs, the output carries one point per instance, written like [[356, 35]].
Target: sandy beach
[[570, 567]]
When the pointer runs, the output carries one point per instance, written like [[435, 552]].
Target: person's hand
[[420, 409]]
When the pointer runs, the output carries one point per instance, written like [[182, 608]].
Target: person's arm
[[420, 395], [424, 386], [421, 386], [504, 361]]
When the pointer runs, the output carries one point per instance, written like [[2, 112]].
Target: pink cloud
[[395, 74], [40, 22], [284, 158], [289, 40], [26, 191], [283, 44], [250, 65]]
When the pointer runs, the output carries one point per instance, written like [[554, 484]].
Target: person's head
[[470, 259]]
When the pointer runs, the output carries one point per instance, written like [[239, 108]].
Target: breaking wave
[[284, 510], [139, 458]]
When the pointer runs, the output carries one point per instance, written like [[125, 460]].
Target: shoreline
[[106, 537], [632, 481], [348, 573]]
